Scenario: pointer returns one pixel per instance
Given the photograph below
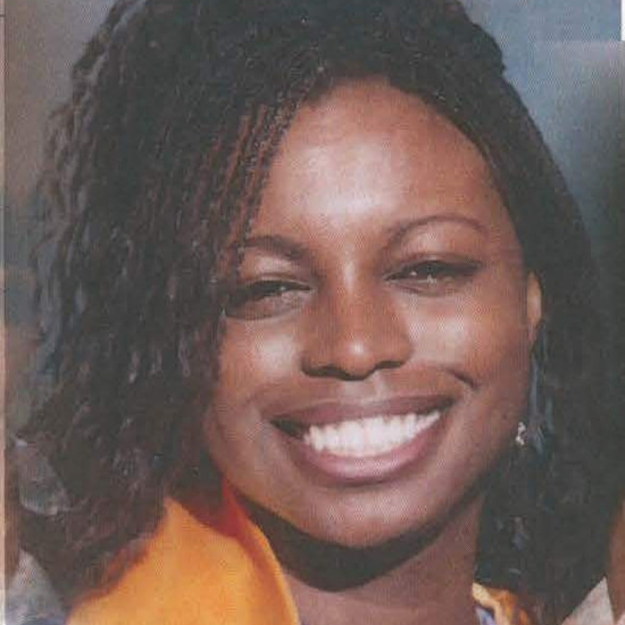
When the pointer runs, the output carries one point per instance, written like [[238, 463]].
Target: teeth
[[368, 437]]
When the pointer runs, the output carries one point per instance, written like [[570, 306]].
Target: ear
[[534, 302]]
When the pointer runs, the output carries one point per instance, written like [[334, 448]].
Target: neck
[[410, 581]]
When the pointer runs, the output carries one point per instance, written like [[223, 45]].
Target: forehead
[[366, 146]]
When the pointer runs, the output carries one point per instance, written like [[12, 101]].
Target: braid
[[154, 172]]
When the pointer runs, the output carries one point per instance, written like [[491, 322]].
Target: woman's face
[[375, 359]]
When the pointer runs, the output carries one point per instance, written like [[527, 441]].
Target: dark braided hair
[[154, 171]]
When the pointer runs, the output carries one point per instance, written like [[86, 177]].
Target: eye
[[435, 276], [265, 298]]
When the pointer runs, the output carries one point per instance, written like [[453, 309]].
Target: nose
[[353, 336]]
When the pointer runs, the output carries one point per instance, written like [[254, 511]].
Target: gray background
[[563, 56]]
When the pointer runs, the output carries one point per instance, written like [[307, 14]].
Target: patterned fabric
[[505, 607], [485, 617], [222, 571]]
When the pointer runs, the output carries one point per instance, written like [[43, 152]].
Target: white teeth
[[372, 436], [317, 440]]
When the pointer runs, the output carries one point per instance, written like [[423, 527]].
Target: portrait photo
[[314, 312]]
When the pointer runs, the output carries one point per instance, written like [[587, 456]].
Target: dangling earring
[[521, 435]]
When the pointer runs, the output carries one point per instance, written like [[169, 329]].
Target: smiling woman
[[379, 354], [327, 346]]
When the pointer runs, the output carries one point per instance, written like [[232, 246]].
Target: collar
[[219, 570]]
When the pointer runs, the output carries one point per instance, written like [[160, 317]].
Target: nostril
[[348, 374]]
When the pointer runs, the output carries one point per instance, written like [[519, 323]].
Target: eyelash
[[267, 288], [434, 276], [272, 297]]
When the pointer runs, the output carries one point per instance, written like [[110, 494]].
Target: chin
[[361, 521], [374, 517]]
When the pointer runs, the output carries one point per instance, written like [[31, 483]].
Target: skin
[[369, 189]]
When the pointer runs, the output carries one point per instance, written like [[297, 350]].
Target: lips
[[363, 441]]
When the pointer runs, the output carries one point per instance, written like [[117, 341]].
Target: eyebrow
[[397, 232], [276, 244], [292, 250]]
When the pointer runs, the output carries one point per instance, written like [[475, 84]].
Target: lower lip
[[368, 470]]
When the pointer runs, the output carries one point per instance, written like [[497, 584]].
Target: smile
[[368, 437], [359, 444]]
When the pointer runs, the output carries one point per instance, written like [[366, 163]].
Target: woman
[[315, 274]]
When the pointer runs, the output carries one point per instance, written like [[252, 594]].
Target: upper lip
[[336, 412]]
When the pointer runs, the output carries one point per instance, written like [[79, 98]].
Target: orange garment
[[218, 573]]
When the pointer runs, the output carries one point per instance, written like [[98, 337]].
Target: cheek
[[254, 356], [482, 335], [256, 360], [484, 340]]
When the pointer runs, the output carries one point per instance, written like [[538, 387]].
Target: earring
[[521, 435]]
